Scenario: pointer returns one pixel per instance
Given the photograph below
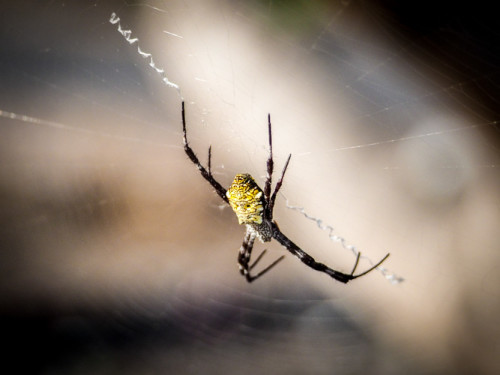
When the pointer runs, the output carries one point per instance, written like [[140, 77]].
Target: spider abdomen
[[246, 199]]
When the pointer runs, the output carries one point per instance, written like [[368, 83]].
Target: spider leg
[[207, 175], [372, 268], [267, 268], [270, 168], [261, 255], [277, 188], [311, 262], [356, 263], [270, 163], [209, 163], [244, 259]]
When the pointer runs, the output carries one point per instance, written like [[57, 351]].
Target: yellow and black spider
[[254, 208]]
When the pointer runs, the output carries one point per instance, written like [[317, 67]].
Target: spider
[[254, 208]]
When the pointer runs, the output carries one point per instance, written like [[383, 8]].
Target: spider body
[[254, 208], [247, 200]]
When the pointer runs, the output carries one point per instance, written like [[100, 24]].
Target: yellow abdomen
[[245, 198]]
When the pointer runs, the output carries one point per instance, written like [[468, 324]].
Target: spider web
[[116, 254]]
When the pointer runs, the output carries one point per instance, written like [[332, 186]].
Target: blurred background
[[117, 257]]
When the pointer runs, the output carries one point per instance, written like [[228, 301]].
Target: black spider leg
[[207, 175], [244, 258], [311, 262], [270, 199], [277, 188], [270, 163]]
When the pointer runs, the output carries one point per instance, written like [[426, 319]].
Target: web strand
[[127, 34], [392, 277]]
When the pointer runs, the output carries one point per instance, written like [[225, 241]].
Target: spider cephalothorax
[[254, 208]]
